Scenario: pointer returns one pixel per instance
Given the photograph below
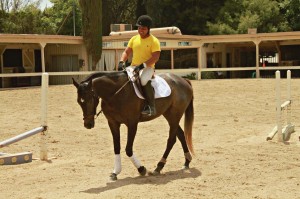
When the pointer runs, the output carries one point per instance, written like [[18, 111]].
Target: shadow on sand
[[157, 180]]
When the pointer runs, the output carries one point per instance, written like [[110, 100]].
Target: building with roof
[[214, 56]]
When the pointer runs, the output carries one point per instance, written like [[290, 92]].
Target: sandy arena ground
[[233, 158]]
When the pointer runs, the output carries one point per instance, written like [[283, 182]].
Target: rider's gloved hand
[[121, 66], [138, 68]]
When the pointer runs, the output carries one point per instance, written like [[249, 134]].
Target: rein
[[122, 87], [135, 77]]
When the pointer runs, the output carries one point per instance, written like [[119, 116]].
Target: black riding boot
[[149, 109]]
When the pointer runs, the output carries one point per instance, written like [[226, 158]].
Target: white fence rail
[[176, 71]]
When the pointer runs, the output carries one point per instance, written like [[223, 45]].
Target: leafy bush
[[209, 75], [191, 76]]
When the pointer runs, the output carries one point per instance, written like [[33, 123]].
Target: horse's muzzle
[[89, 122]]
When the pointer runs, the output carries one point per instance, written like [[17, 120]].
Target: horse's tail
[[188, 123]]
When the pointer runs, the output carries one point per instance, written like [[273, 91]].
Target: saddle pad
[[161, 87]]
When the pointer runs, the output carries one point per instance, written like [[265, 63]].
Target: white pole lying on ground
[[21, 136]]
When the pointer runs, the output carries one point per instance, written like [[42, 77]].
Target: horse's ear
[[90, 83], [75, 83]]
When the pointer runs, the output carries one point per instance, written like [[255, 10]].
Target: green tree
[[47, 24], [16, 5], [61, 14], [117, 12], [24, 21], [226, 22], [290, 9], [20, 17], [92, 28], [238, 16], [263, 15], [140, 8], [190, 16], [3, 19]]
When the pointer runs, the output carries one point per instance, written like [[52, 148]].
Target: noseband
[[95, 98]]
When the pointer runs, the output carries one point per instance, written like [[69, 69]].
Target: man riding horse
[[120, 104], [145, 49]]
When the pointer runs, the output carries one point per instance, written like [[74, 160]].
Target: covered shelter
[[29, 53], [211, 56]]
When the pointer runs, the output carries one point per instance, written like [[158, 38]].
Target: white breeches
[[145, 74]]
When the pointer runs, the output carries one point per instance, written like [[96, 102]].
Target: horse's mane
[[103, 73]]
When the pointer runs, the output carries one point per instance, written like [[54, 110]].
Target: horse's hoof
[[184, 167], [142, 170], [113, 177], [154, 173]]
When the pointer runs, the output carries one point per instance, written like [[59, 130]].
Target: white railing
[[175, 71]]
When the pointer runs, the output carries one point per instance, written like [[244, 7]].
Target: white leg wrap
[[118, 166], [135, 161]]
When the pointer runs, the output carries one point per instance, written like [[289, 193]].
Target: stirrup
[[147, 111]]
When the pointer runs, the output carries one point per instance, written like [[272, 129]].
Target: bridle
[[97, 97], [94, 98]]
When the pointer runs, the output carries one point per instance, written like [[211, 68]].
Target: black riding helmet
[[144, 20]]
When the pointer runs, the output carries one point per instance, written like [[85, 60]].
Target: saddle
[[161, 87]]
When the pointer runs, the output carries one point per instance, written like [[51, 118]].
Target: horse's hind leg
[[187, 155], [170, 144]]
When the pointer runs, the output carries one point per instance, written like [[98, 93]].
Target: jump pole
[[282, 133], [21, 136], [27, 156]]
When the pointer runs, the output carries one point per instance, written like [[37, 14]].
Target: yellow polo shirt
[[143, 48]]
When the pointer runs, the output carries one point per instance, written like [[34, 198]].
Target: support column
[[199, 53], [172, 58], [257, 42], [2, 49], [279, 52], [43, 56]]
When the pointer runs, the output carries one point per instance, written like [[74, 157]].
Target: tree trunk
[[92, 28]]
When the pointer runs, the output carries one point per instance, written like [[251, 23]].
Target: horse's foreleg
[[115, 131], [129, 151], [187, 155], [117, 167]]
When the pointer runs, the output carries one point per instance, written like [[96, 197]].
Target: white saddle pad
[[161, 87]]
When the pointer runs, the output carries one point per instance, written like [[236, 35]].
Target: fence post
[[278, 107], [44, 109]]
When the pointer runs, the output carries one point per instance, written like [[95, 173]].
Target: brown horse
[[120, 105]]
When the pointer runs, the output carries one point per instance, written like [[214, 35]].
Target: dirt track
[[233, 160]]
